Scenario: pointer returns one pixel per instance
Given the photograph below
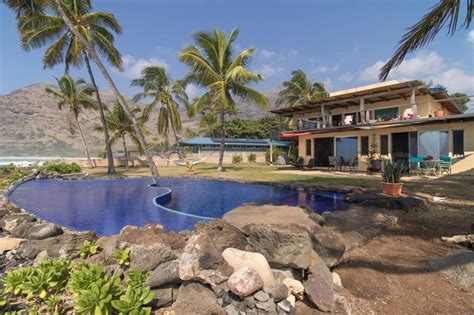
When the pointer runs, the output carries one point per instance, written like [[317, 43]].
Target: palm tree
[[97, 27], [214, 67], [25, 7], [121, 126], [299, 90], [425, 30], [74, 96], [57, 4], [158, 85]]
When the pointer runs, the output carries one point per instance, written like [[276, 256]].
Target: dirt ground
[[391, 273]]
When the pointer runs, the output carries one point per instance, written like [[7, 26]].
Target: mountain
[[32, 125]]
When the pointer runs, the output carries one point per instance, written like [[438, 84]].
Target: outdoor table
[[431, 167]]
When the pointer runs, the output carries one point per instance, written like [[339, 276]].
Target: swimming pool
[[107, 205]]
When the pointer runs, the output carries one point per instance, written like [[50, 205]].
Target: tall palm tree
[[47, 27], [25, 7], [158, 85], [225, 76], [121, 126], [74, 96], [57, 4], [425, 30], [299, 90]]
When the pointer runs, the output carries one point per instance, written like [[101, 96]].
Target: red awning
[[294, 134]]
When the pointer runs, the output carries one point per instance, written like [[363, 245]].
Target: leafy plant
[[237, 158], [62, 168], [89, 248], [13, 282], [137, 278], [122, 256], [392, 172], [252, 157], [98, 297], [189, 165], [83, 276], [12, 174], [134, 301]]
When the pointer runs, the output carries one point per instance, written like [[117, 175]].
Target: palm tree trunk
[[125, 151], [222, 149], [108, 78], [84, 142], [108, 147], [178, 148]]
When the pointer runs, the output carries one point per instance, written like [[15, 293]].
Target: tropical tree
[[25, 7], [57, 4], [74, 96], [158, 86], [425, 30], [48, 28], [225, 76], [121, 126], [299, 90], [461, 99]]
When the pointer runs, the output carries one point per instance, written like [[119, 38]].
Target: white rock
[[295, 288], [336, 280], [10, 225], [245, 281], [291, 298], [9, 243], [238, 258]]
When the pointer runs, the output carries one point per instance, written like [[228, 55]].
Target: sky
[[341, 43]]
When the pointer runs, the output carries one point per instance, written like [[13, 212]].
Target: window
[[336, 120], [433, 143], [386, 113], [346, 148], [308, 147], [413, 139], [364, 145], [384, 144], [458, 142]]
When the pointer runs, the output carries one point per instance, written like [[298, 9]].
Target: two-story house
[[391, 119]]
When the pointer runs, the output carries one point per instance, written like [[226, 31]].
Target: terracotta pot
[[439, 113], [190, 172], [392, 189]]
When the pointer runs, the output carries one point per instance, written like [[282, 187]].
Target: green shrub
[[89, 248], [11, 175], [237, 158], [252, 157], [62, 168], [102, 154], [134, 301], [122, 256]]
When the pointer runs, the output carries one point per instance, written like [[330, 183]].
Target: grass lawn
[[246, 172]]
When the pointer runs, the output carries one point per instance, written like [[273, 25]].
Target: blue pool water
[[105, 206]]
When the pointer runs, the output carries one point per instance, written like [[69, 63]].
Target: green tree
[[299, 90], [58, 5], [48, 28], [121, 126], [158, 86], [74, 96], [425, 30], [25, 7], [461, 100], [214, 67]]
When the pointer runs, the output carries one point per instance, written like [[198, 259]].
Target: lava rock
[[165, 273], [280, 292], [196, 298], [319, 286], [43, 230], [148, 257]]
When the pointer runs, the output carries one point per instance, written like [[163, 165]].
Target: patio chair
[[445, 165], [311, 165], [415, 167], [352, 164], [299, 164], [334, 163]]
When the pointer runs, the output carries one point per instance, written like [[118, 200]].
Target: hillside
[[32, 125]]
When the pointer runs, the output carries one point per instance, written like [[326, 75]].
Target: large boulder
[[202, 261], [222, 234], [239, 258], [148, 257], [319, 286], [245, 281], [43, 230], [329, 244], [165, 296], [286, 245], [381, 201], [196, 298], [165, 273]]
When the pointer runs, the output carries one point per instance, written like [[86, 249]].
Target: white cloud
[[267, 54], [191, 91], [324, 69], [133, 67], [346, 77], [270, 70], [470, 37], [429, 67]]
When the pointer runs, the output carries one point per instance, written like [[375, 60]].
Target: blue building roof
[[233, 141]]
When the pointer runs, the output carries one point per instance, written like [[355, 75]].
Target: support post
[[413, 102], [324, 115], [362, 110]]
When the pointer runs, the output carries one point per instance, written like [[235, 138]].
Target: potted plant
[[391, 174], [190, 168], [374, 159], [439, 113]]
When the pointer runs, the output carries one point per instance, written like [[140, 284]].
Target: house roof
[[373, 93], [233, 141]]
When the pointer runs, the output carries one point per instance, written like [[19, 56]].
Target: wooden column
[[362, 110], [413, 102]]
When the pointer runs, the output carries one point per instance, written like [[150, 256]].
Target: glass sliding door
[[433, 143], [346, 148]]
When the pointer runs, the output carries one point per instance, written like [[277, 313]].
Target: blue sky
[[341, 43]]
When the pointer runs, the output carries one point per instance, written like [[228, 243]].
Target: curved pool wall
[[107, 205]]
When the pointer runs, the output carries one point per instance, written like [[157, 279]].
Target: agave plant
[[392, 172]]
